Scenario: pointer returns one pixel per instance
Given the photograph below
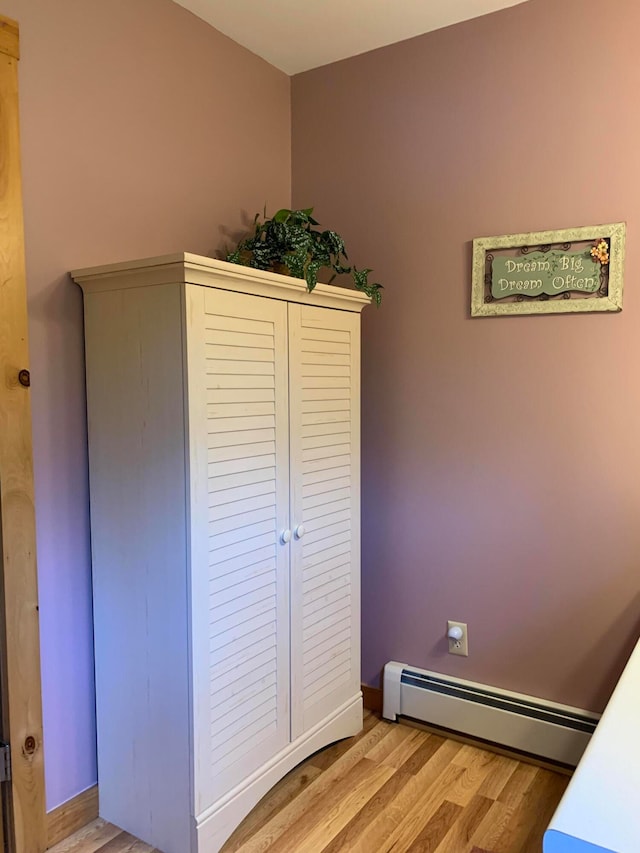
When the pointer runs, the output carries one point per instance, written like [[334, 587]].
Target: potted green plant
[[289, 243]]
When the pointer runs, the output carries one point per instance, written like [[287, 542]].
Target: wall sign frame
[[549, 272]]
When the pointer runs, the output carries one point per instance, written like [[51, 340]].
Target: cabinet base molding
[[71, 816], [215, 825]]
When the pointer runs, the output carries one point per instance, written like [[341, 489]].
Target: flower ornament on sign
[[600, 252]]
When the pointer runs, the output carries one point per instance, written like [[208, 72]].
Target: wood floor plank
[[345, 800], [89, 839], [391, 789], [283, 793], [468, 756], [394, 738], [326, 757], [422, 756], [351, 834], [72, 815], [312, 795], [543, 805], [492, 826], [459, 836], [476, 767], [436, 828], [501, 771], [125, 843], [405, 750], [518, 784], [425, 807], [525, 818], [388, 820], [293, 834]]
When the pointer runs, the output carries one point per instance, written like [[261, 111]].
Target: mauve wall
[[144, 131], [501, 459]]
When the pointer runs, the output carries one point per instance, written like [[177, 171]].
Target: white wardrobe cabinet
[[224, 432]]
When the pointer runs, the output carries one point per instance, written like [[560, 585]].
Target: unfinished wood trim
[[71, 816], [372, 698], [22, 692], [9, 37]]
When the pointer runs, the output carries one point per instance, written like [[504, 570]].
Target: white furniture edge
[[118, 284], [196, 269], [600, 809]]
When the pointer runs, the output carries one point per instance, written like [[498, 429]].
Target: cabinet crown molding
[[197, 269]]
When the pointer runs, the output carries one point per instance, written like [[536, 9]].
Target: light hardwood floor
[[392, 788]]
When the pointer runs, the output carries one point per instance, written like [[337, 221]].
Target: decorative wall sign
[[549, 272]]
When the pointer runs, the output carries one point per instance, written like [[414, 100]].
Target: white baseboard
[[535, 726]]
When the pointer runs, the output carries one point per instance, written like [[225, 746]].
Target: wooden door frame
[[19, 623]]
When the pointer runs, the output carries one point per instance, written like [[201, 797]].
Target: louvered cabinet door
[[238, 411], [324, 380]]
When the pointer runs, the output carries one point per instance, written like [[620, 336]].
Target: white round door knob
[[285, 536], [299, 531]]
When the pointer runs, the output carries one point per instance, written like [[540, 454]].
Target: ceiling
[[296, 35]]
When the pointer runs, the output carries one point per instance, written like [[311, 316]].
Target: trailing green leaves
[[361, 282], [288, 242]]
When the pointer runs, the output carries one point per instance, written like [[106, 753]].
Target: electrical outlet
[[458, 645]]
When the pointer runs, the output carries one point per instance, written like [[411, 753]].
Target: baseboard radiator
[[534, 726]]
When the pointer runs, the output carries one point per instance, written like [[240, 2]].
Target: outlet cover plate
[[458, 647]]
